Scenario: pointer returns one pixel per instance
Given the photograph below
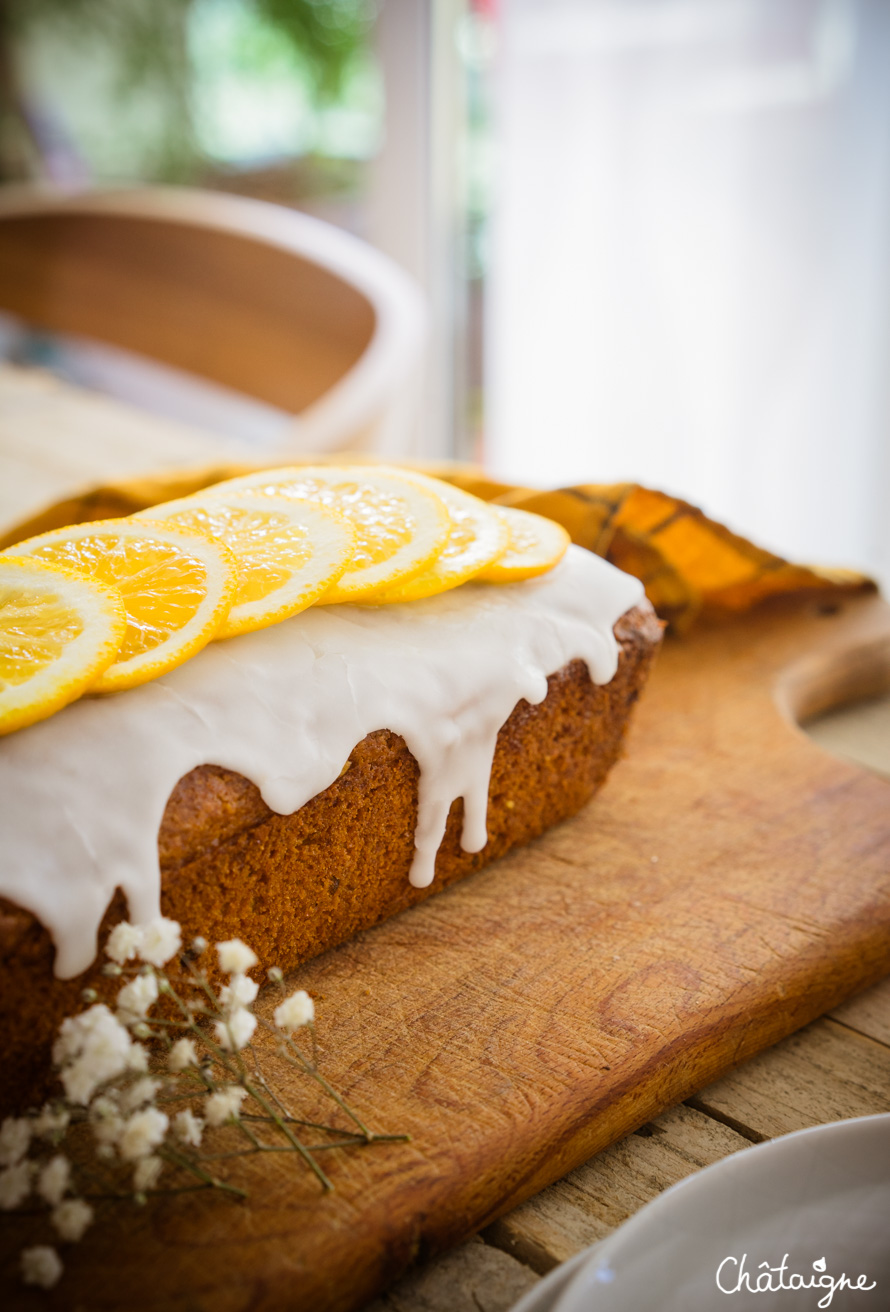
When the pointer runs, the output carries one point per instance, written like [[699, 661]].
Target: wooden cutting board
[[730, 883]]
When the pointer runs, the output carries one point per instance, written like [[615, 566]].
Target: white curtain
[[690, 260]]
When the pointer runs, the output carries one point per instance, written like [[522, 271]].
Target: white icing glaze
[[84, 792]]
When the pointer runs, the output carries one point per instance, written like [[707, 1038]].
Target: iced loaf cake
[[296, 785]]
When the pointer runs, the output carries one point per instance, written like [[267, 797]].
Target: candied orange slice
[[536, 545], [400, 527], [479, 536], [288, 552], [177, 588], [58, 632]]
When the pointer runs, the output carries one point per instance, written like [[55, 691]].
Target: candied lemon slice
[[58, 632], [479, 536], [288, 552], [536, 545], [400, 527], [177, 588]]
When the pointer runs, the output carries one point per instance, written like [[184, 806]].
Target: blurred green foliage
[[144, 61], [325, 33]]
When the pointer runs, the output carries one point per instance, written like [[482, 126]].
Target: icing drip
[[84, 792]]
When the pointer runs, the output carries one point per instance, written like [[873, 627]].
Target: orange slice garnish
[[58, 632], [478, 537], [536, 545], [288, 552], [176, 586], [400, 527]]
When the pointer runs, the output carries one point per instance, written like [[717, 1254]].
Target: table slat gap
[[855, 1031], [598, 1196], [868, 1013], [723, 1118], [824, 1072]]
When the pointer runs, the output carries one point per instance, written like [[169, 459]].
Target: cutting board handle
[[853, 667]]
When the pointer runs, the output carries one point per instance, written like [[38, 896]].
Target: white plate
[[821, 1196], [542, 1296]]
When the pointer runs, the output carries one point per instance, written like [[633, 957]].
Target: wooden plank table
[[835, 1067], [839, 1066]]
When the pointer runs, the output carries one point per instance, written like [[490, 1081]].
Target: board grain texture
[[729, 884]]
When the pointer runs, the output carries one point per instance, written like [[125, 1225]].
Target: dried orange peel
[[58, 632]]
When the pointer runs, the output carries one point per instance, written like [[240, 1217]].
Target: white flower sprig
[[126, 1073]]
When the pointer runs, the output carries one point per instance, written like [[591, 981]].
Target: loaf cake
[[298, 785]]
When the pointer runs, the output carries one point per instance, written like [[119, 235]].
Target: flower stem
[[289, 1135], [178, 1159]]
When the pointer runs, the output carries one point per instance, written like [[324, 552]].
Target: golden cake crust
[[294, 886]]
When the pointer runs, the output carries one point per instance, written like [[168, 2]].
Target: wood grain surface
[[801, 1081], [222, 302], [729, 884]]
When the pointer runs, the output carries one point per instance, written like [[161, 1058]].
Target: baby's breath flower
[[75, 1032], [142, 1132], [124, 942], [96, 1048], [50, 1121], [54, 1179], [15, 1135], [107, 1134], [297, 1010], [104, 1069], [182, 1054], [147, 1173], [162, 939], [241, 991], [235, 957], [276, 974], [236, 1030], [72, 1218], [136, 998], [106, 1103], [223, 1104], [15, 1185], [188, 1127], [41, 1266], [198, 945], [137, 1059], [107, 1122], [138, 1094], [80, 1081]]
